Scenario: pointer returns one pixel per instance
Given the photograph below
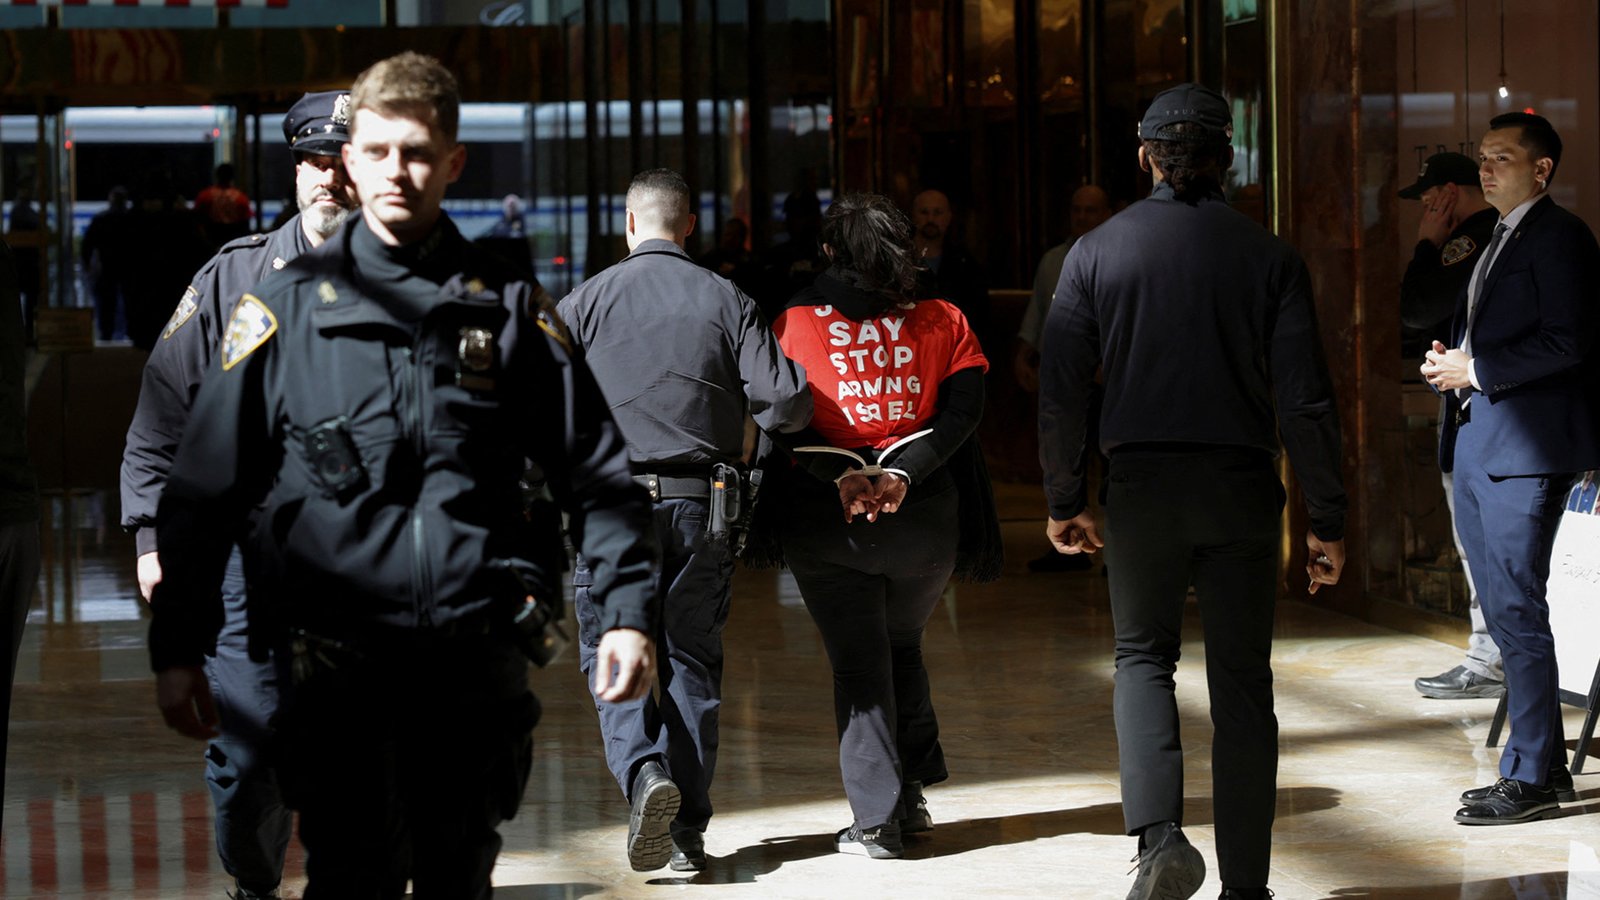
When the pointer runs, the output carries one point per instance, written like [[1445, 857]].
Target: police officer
[[682, 356], [251, 821], [1204, 324], [1456, 226], [377, 401]]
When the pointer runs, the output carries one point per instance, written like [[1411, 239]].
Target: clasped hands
[[1447, 370], [861, 495]]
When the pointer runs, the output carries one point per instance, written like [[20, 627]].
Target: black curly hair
[[870, 240]]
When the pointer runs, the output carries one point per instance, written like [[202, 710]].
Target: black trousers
[[1207, 519], [19, 578], [402, 757], [678, 727], [252, 824], [870, 587]]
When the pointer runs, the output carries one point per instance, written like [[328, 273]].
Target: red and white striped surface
[[143, 843], [180, 3]]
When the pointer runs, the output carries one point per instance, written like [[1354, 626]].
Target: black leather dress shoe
[[1559, 780], [655, 802], [688, 853], [1459, 684], [1509, 802]]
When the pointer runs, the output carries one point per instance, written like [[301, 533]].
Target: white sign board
[[1574, 595]]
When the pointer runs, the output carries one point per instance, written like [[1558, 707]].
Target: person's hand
[[857, 497], [1445, 369], [1438, 217], [888, 493], [149, 573], [184, 695], [1324, 563], [633, 656], [1025, 366], [1078, 534]]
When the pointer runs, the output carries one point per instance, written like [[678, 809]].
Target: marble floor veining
[[102, 801]]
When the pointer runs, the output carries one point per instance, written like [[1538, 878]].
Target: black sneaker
[[1169, 867], [240, 892], [1260, 893], [655, 802], [882, 842], [1559, 780], [916, 819], [1459, 683]]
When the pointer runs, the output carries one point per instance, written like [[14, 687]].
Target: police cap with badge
[[318, 124], [1442, 168]]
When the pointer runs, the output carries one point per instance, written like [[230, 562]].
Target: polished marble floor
[[103, 802]]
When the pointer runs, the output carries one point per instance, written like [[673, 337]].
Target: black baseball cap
[[1188, 102], [1443, 168], [318, 123]]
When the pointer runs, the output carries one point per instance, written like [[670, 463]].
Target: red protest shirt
[[877, 380]]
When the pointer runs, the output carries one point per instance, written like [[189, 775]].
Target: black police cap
[[318, 123], [1189, 102], [1443, 168]]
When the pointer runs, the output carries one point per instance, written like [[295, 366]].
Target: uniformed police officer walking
[[1204, 324], [682, 356], [252, 824], [1456, 226], [378, 400]]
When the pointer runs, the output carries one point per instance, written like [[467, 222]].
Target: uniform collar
[[660, 245], [398, 285]]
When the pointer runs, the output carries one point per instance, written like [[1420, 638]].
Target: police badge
[[475, 359], [251, 325], [186, 308], [341, 110], [1457, 250]]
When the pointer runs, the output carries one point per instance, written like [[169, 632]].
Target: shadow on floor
[[1539, 886]]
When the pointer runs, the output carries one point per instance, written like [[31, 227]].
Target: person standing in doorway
[[1455, 229]]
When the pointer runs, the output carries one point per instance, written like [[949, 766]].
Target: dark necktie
[[1483, 276]]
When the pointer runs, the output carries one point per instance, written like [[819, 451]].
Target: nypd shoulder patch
[[186, 308], [251, 325], [1457, 250]]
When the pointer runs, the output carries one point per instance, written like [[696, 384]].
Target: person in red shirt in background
[[898, 385], [224, 209]]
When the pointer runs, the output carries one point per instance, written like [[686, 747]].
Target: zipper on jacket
[[421, 572]]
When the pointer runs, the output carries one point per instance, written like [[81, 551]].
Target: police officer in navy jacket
[[372, 410], [252, 823]]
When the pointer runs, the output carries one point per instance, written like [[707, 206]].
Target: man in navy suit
[[1520, 388]]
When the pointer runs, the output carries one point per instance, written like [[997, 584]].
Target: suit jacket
[[1533, 349]]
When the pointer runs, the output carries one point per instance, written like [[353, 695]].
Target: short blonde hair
[[406, 83]]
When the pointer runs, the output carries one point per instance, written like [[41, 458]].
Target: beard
[[931, 231], [321, 219]]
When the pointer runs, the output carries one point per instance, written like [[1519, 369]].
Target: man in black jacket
[[1455, 229], [252, 824], [19, 493], [683, 358], [1204, 324], [372, 411]]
